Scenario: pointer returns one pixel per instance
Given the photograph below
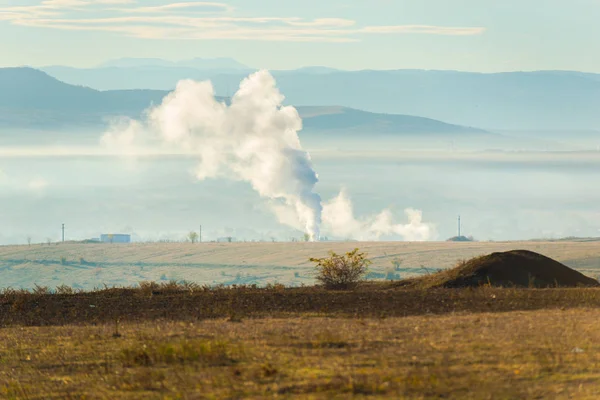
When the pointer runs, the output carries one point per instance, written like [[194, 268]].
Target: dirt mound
[[516, 268]]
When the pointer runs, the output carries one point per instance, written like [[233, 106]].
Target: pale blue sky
[[473, 35]]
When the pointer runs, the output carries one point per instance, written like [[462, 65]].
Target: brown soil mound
[[516, 268]]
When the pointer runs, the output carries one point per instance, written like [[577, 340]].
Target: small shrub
[[64, 289], [41, 290], [275, 286], [147, 287], [190, 286], [339, 272], [170, 286], [63, 260]]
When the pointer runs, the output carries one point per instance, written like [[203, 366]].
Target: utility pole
[[459, 226], [200, 237], [63, 232]]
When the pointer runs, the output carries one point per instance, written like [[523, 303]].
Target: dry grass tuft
[[211, 353]]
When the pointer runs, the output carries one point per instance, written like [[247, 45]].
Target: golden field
[[92, 265], [543, 354], [170, 340]]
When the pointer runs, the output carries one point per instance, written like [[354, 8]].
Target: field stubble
[[375, 341], [532, 354], [185, 341]]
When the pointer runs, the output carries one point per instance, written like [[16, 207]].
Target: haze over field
[[366, 163], [512, 147]]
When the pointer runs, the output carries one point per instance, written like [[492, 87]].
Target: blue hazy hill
[[32, 98], [558, 100]]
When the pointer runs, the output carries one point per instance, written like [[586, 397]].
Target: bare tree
[[397, 263], [28, 240], [192, 236], [48, 241]]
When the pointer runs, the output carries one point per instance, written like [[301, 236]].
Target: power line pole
[[63, 232], [200, 237], [459, 226]]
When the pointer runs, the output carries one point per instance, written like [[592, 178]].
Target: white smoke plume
[[254, 139], [338, 217]]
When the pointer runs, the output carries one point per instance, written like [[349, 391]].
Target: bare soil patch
[[515, 268]]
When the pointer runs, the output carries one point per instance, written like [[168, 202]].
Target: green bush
[[340, 272]]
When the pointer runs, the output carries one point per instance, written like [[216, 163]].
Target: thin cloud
[[37, 184], [323, 22], [189, 21], [174, 7], [425, 29]]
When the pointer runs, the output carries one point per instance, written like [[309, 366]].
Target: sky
[[469, 35]]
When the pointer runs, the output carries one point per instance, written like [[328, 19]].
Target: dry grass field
[[541, 355], [374, 342], [170, 340], [93, 265]]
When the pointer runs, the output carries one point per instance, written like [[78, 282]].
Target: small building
[[115, 238]]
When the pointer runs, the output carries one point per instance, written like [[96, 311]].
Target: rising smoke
[[254, 139], [338, 217]]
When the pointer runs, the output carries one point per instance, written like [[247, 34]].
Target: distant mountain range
[[30, 98], [556, 100]]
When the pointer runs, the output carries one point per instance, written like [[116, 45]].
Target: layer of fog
[[158, 198], [531, 185]]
